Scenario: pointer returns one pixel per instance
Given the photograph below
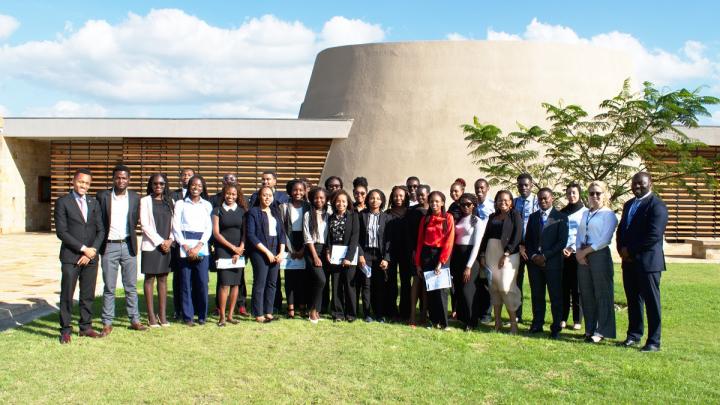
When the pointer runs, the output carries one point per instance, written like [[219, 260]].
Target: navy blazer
[[643, 238], [258, 228], [550, 241], [104, 197], [383, 240], [72, 229]]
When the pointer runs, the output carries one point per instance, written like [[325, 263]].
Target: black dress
[[231, 224], [155, 261]]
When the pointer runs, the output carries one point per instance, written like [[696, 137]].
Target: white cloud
[[8, 25], [171, 57], [715, 118], [454, 36], [66, 108], [656, 65]]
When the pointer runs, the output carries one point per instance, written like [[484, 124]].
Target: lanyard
[[587, 225]]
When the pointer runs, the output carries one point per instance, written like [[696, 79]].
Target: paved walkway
[[30, 275]]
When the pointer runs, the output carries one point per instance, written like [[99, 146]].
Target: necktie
[[631, 211], [543, 219], [83, 208]]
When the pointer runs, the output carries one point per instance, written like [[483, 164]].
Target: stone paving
[[30, 275]]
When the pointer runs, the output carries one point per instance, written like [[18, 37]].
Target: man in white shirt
[[120, 209], [525, 203], [484, 208]]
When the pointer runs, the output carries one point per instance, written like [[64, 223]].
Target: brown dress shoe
[[91, 333], [65, 338], [106, 330], [138, 326]]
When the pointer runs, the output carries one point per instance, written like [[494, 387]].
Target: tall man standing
[[484, 208], [526, 203], [78, 224], [120, 210], [545, 239], [640, 245], [185, 175]]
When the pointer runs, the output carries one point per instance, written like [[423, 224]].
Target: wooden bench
[[705, 248]]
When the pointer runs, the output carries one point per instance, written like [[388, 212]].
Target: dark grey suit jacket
[[74, 232], [548, 241]]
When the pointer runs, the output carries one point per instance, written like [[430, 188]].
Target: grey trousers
[[597, 295], [118, 254]]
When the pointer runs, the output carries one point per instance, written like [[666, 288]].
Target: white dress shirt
[[467, 234], [573, 226], [296, 218], [596, 229], [322, 229], [272, 224], [119, 210], [192, 217]]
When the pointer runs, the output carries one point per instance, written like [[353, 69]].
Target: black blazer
[[177, 195], [644, 237], [383, 241], [548, 241], [284, 210], [351, 237], [72, 229], [258, 229], [104, 197], [511, 232]]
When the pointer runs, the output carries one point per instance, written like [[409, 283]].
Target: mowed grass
[[292, 361]]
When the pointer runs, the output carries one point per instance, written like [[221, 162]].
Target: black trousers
[[571, 290], [363, 290], [437, 299], [542, 279], [405, 271], [383, 286], [176, 280], [519, 280], [316, 278], [87, 276], [296, 280], [642, 290], [343, 292], [465, 295], [483, 291]]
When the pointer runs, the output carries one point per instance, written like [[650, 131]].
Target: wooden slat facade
[[692, 216], [211, 158]]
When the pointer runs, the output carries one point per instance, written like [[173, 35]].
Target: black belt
[[117, 240]]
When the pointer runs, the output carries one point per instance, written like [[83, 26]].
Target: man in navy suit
[[640, 245], [545, 238], [78, 224]]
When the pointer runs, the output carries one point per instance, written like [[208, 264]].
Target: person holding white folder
[[292, 214], [375, 254], [344, 231], [436, 235], [315, 233], [229, 231]]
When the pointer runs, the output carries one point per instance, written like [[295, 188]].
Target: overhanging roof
[[195, 128]]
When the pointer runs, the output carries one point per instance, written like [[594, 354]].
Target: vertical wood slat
[[211, 158]]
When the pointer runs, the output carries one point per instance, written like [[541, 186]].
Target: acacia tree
[[630, 134]]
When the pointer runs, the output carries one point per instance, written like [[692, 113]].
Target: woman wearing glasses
[[464, 265], [595, 266]]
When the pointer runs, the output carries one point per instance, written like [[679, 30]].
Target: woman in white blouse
[[315, 233], [595, 266], [464, 266], [292, 214]]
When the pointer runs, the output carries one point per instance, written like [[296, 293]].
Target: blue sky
[[213, 58]]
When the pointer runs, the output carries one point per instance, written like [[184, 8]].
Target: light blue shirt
[[573, 226], [526, 206]]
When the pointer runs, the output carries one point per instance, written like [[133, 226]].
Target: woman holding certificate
[[192, 228], [375, 256], [436, 235], [344, 231], [315, 233], [499, 252], [266, 246], [229, 232], [464, 266], [292, 214]]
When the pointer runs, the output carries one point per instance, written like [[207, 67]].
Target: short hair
[[228, 176], [331, 178], [378, 192], [120, 168], [412, 178], [425, 187], [470, 197], [184, 169], [82, 171], [574, 185], [643, 174], [360, 182], [291, 184], [602, 186], [545, 190], [525, 176], [270, 172], [481, 181]]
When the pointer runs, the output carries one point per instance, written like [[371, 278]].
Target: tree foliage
[[611, 146]]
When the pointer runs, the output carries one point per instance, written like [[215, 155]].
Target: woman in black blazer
[[292, 214], [344, 230], [315, 232], [400, 248], [499, 252], [376, 255], [266, 246]]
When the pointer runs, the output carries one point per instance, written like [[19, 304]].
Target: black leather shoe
[[535, 329], [628, 343], [650, 348], [554, 335]]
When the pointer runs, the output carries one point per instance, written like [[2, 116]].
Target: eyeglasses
[[595, 193], [156, 183], [466, 204]]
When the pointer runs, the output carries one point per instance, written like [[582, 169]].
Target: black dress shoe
[[628, 343], [554, 335], [588, 339], [535, 329], [650, 348]]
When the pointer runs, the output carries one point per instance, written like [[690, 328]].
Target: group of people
[[342, 254]]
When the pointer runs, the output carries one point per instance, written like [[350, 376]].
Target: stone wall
[[21, 163]]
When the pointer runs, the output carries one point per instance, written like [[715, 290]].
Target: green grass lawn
[[292, 361]]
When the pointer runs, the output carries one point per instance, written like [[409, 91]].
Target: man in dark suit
[[525, 203], [185, 175], [640, 245], [269, 178], [78, 224], [120, 210], [545, 238]]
